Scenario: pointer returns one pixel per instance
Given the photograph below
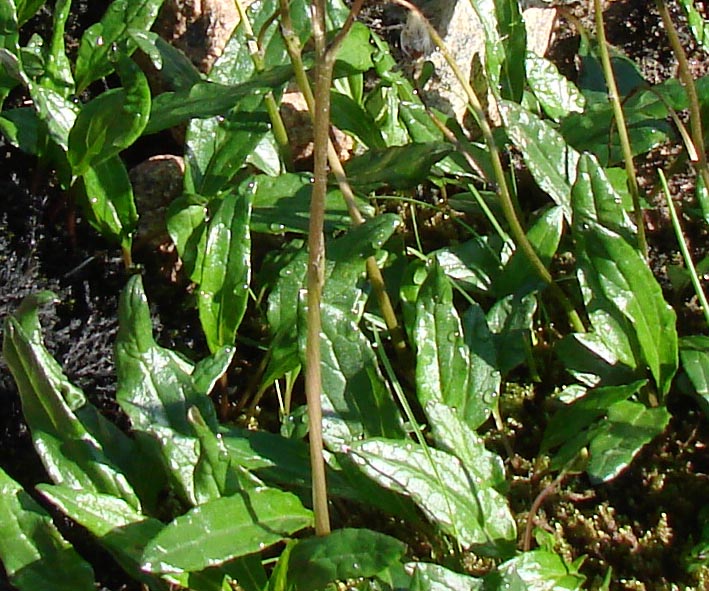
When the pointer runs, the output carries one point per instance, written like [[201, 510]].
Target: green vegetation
[[406, 348]]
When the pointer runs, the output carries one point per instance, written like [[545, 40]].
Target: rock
[[463, 35]]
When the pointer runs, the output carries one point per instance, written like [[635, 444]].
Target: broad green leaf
[[701, 193], [99, 42], [57, 69], [558, 96], [344, 554], [112, 121], [518, 277], [619, 438], [350, 117], [355, 53], [355, 399], [33, 553], [694, 353], [551, 161], [445, 366], [9, 47], [226, 271], [475, 264], [433, 577], [538, 570], [26, 9], [282, 204], [471, 511], [156, 388], [176, 69], [217, 148], [186, 225], [71, 453], [399, 167], [119, 528], [453, 435], [571, 419], [505, 45], [593, 197], [628, 284], [57, 112], [510, 321], [108, 201], [209, 99], [226, 528]]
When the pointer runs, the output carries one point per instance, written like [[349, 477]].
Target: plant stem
[[699, 157], [614, 96], [373, 272], [684, 249], [255, 51], [503, 191]]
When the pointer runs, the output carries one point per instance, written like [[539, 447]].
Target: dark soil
[[642, 525]]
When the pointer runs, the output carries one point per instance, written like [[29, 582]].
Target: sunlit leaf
[[557, 95], [34, 554], [694, 353], [226, 528], [344, 554]]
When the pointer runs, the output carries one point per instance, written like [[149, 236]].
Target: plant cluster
[[406, 350]]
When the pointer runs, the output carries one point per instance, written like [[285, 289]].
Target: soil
[[643, 524]]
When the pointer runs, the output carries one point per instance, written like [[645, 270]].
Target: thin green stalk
[[614, 96], [503, 191], [684, 249], [699, 157], [255, 51]]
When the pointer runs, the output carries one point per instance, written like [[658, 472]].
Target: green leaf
[[10, 73], [697, 24], [176, 69], [694, 353], [615, 443], [433, 577], [626, 283], [538, 570], [475, 264], [518, 277], [282, 204], [510, 320], [551, 161], [217, 148], [446, 370], [186, 225], [470, 510], [225, 271], [344, 554], [57, 69], [209, 99], [100, 40], [119, 528], [112, 121], [558, 96], [108, 201], [347, 115], [399, 167], [34, 554], [80, 457], [156, 388], [356, 401], [226, 528], [57, 112], [26, 9]]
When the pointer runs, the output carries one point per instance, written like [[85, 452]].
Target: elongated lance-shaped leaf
[[694, 353], [109, 202], [226, 271], [557, 95], [224, 529], [100, 41], [446, 370], [33, 553], [628, 286], [117, 526], [156, 388], [57, 69], [434, 577], [71, 453], [9, 43], [551, 161], [463, 506], [344, 554], [112, 121], [355, 399]]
